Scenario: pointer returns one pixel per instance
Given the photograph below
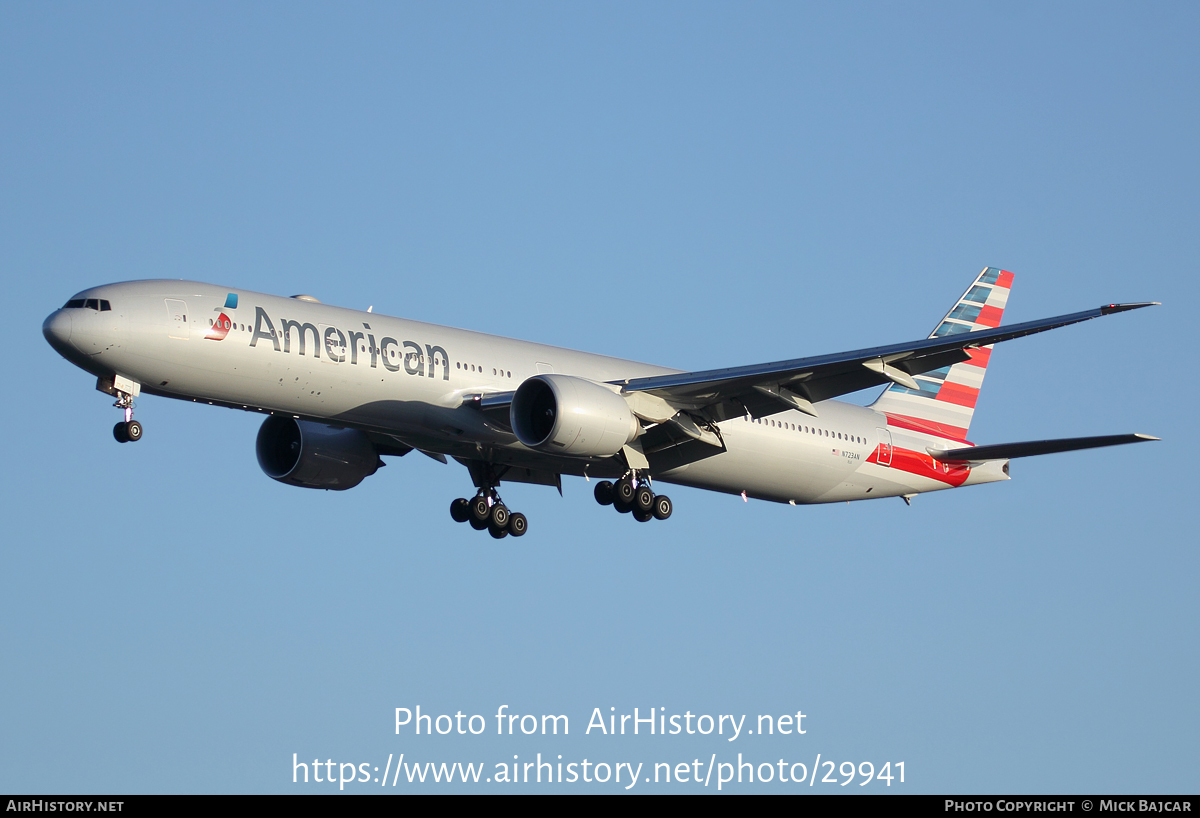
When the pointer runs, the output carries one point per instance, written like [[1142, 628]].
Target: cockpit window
[[98, 304]]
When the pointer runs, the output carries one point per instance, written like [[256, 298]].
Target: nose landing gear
[[633, 495], [128, 430]]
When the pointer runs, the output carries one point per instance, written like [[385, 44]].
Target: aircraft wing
[[765, 389], [1007, 451]]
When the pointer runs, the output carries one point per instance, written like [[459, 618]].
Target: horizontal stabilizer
[[1007, 451]]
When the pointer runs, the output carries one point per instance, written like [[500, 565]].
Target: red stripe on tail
[[958, 394], [990, 316], [928, 427]]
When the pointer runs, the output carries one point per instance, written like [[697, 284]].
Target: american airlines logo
[[219, 329], [223, 323], [339, 345]]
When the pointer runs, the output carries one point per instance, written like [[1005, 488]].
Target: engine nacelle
[[313, 455], [561, 414]]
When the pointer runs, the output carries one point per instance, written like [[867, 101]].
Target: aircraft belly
[[871, 481]]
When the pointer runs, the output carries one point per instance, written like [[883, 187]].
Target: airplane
[[343, 388]]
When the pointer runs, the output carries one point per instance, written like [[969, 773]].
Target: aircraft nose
[[57, 329]]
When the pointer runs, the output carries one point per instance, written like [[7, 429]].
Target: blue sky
[[695, 185]]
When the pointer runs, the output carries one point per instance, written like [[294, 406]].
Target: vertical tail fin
[[944, 404]]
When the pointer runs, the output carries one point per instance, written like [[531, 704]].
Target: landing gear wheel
[[480, 510], [487, 510], [130, 431], [604, 493], [643, 499], [623, 508], [518, 525], [642, 516], [624, 489], [662, 507]]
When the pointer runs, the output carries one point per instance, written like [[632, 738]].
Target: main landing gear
[[486, 510], [631, 495], [128, 430]]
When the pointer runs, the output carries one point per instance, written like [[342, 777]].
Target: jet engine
[[561, 414], [313, 455]]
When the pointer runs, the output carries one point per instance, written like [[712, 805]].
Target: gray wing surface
[[765, 389]]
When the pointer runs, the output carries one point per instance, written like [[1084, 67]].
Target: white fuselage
[[415, 382]]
